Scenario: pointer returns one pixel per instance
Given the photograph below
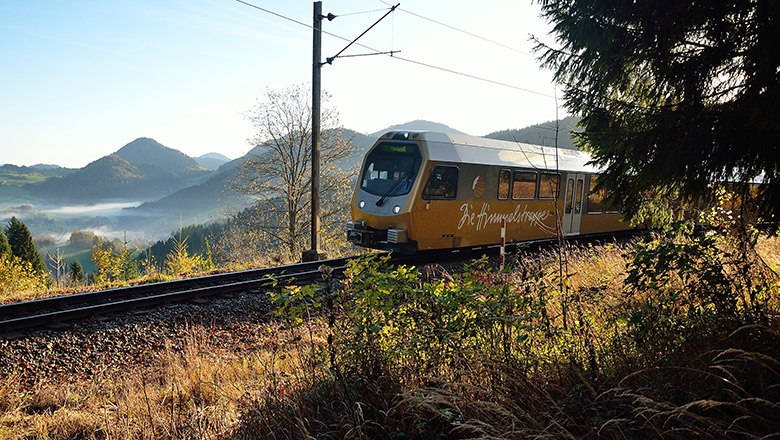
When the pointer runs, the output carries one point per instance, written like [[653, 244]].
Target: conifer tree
[[22, 246], [76, 272], [673, 95], [5, 248]]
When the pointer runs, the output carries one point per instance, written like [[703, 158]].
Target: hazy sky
[[80, 79]]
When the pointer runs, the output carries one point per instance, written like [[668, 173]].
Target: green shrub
[[18, 276]]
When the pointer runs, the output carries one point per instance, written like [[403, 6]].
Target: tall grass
[[669, 337], [200, 392]]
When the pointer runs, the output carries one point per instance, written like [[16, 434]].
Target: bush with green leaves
[[537, 350], [113, 265], [180, 262], [687, 287], [398, 321], [17, 275]]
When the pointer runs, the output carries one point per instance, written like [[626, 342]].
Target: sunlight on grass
[[406, 353]]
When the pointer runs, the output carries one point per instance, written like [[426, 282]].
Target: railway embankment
[[602, 340]]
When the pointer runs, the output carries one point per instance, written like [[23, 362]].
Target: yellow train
[[424, 190]]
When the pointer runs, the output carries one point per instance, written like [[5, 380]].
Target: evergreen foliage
[[5, 248], [180, 262], [113, 263], [22, 246], [673, 95], [76, 272], [196, 237]]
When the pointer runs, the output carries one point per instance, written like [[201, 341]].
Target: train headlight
[[396, 209], [361, 204]]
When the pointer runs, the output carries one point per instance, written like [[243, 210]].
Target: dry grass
[[199, 393], [768, 249], [590, 375], [581, 380]]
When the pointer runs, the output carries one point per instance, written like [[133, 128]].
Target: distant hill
[[149, 154], [213, 197], [55, 170], [542, 134], [142, 169], [421, 125], [195, 200], [212, 161], [35, 173]]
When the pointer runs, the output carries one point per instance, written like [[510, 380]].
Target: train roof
[[461, 148]]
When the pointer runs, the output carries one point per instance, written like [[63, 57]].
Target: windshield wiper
[[392, 188]]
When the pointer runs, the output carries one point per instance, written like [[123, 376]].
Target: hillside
[[19, 175], [212, 161], [418, 124], [142, 169], [148, 153], [198, 203], [213, 197], [541, 134]]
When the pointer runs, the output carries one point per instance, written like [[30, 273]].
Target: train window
[[390, 169], [523, 185], [569, 195], [442, 184], [578, 196], [548, 185], [595, 198], [611, 208], [503, 184]]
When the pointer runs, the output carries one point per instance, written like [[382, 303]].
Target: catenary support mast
[[314, 253]]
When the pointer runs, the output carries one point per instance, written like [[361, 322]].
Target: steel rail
[[46, 311]]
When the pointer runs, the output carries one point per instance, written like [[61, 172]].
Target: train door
[[574, 195]]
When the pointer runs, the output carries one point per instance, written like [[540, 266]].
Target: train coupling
[[358, 234], [393, 239]]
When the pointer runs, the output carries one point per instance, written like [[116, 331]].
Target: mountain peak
[[419, 124], [212, 161], [146, 151], [217, 156], [140, 145]]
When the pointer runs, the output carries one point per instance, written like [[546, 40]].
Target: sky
[[80, 79]]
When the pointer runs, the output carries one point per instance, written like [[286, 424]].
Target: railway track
[[48, 312]]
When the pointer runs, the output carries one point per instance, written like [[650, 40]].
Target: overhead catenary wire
[[392, 54], [361, 12], [468, 75], [330, 59], [463, 31]]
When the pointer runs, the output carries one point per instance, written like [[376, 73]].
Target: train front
[[384, 194]]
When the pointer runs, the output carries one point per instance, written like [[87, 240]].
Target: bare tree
[[278, 170], [58, 263]]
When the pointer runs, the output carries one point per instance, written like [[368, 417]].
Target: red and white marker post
[[501, 252]]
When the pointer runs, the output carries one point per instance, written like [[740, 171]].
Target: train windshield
[[391, 169]]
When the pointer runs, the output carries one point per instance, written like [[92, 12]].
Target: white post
[[502, 253]]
